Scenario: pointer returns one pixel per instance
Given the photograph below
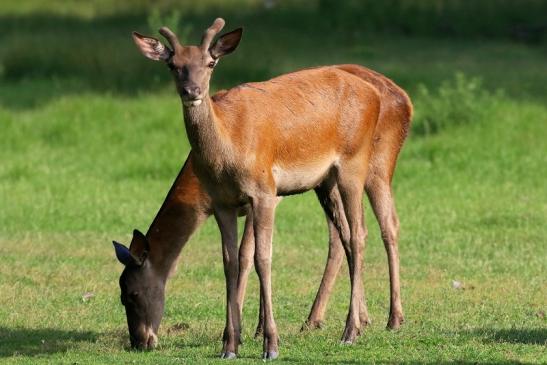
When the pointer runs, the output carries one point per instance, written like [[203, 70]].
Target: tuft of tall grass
[[458, 101]]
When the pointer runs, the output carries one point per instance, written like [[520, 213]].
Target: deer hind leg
[[246, 259], [381, 199], [246, 254], [363, 308], [336, 219], [351, 192]]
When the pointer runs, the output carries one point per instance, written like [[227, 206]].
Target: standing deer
[[251, 145]]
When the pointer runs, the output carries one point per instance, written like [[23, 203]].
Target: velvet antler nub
[[210, 33], [170, 36]]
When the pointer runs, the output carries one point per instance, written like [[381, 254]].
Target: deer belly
[[299, 178]]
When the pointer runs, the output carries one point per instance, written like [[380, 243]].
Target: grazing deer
[[251, 144]]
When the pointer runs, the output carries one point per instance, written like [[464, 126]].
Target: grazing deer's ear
[[124, 255], [226, 44], [139, 246], [151, 47]]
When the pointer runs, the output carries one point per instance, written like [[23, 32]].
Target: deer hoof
[[366, 321], [270, 355], [228, 355], [395, 322], [311, 325], [350, 334]]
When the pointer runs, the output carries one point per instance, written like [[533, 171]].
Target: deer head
[[142, 292], [191, 66]]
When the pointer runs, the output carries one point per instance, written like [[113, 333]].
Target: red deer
[[252, 144]]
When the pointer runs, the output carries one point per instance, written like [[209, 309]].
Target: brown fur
[[315, 128]]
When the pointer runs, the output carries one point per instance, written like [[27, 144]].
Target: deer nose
[[191, 91]]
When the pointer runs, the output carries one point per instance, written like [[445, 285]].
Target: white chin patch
[[192, 102]]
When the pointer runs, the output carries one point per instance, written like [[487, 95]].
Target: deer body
[[255, 139]]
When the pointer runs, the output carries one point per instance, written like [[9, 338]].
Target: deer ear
[[151, 47], [226, 44], [139, 247], [123, 254]]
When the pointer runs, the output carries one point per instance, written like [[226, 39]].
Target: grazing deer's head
[[142, 292], [191, 66]]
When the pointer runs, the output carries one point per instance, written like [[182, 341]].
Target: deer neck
[[185, 208], [207, 134]]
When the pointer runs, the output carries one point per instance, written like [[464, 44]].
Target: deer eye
[[212, 64]]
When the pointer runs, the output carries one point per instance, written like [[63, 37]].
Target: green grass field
[[91, 138]]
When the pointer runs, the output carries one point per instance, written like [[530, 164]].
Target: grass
[[92, 139]]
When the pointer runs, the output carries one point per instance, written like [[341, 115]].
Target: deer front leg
[[227, 222], [246, 257], [263, 216], [260, 324]]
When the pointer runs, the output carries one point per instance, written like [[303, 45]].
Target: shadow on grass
[[31, 342], [526, 336], [408, 362]]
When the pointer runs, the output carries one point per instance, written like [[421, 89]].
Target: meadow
[[91, 138]]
